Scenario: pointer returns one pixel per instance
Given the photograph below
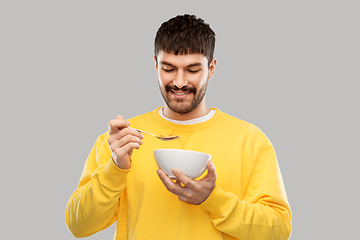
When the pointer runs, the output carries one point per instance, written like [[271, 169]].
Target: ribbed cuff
[[218, 203], [114, 177]]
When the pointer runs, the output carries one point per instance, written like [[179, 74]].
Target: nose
[[180, 81]]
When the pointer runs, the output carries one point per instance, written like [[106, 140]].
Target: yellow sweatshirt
[[248, 202]]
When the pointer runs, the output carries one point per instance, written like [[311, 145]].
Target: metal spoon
[[161, 138]]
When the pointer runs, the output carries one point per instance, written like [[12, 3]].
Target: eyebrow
[[190, 65]]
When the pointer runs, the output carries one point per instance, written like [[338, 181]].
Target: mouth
[[180, 94]]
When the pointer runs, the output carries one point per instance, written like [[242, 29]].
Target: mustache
[[186, 88]]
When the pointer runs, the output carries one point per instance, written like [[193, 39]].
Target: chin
[[181, 107]]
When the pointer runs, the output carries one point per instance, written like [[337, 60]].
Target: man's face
[[183, 80]]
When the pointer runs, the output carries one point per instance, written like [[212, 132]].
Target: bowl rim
[[179, 150]]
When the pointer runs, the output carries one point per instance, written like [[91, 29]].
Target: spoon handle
[[146, 132]]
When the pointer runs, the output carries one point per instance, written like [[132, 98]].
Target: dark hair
[[185, 34]]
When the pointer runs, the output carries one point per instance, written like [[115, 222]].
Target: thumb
[[119, 117], [211, 169]]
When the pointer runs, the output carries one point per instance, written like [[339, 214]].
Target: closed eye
[[194, 71], [168, 70]]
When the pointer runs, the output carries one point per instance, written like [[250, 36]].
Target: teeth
[[180, 93]]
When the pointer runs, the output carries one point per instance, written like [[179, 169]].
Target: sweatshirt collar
[[186, 128], [191, 121]]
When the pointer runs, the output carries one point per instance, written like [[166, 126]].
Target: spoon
[[169, 138]]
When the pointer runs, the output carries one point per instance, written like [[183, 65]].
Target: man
[[243, 197]]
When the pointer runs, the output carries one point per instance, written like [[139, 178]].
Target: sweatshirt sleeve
[[92, 207], [262, 212]]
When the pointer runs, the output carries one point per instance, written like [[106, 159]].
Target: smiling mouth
[[180, 93]]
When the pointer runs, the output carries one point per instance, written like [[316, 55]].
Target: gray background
[[68, 67]]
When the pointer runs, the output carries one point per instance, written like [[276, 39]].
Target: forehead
[[181, 60]]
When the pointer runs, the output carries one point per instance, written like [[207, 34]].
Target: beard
[[182, 106]]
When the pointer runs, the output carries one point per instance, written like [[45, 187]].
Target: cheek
[[199, 81], [164, 79]]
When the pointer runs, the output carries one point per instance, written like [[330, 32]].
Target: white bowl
[[191, 163]]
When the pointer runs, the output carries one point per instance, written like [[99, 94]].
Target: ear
[[212, 68], [156, 66]]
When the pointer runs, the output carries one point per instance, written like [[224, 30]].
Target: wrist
[[123, 166], [120, 164]]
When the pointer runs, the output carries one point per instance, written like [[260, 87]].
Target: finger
[[182, 177], [120, 139], [117, 124], [125, 132], [164, 177], [135, 132], [126, 150], [211, 173], [168, 183], [125, 140], [211, 169]]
